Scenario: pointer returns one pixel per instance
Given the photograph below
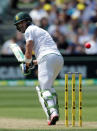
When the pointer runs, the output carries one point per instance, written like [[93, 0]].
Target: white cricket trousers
[[48, 69]]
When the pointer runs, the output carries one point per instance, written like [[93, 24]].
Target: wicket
[[73, 98]]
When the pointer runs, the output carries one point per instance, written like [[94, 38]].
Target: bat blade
[[17, 52]]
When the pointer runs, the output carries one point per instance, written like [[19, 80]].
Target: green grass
[[50, 130], [22, 102]]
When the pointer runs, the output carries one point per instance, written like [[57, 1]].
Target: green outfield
[[20, 110]]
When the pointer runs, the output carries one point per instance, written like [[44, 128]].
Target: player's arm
[[28, 53], [28, 58]]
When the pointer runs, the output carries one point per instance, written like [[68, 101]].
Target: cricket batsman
[[49, 61]]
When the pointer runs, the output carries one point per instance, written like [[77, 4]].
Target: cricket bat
[[17, 52]]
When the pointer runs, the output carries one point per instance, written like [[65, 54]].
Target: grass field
[[20, 110]]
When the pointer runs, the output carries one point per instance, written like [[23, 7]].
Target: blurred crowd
[[71, 23]]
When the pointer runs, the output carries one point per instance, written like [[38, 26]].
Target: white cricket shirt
[[43, 42]]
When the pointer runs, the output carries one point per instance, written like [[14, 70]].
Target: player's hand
[[35, 62], [25, 69]]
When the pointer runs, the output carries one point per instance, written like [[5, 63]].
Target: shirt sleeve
[[28, 35]]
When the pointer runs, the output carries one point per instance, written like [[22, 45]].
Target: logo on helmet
[[17, 18]]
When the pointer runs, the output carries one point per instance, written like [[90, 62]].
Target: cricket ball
[[87, 45]]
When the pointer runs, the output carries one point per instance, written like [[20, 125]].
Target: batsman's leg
[[48, 70], [42, 101], [55, 97], [45, 107], [51, 106]]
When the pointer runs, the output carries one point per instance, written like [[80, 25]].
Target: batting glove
[[25, 70]]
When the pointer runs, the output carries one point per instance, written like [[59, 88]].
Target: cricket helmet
[[21, 16]]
